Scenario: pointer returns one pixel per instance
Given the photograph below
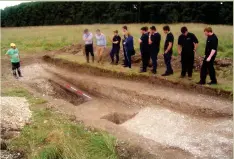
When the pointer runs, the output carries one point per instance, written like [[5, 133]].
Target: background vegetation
[[68, 13], [34, 40]]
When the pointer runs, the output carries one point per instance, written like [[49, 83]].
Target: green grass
[[21, 92], [52, 135], [38, 39], [224, 76]]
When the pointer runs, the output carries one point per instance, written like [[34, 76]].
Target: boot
[[87, 59], [93, 59]]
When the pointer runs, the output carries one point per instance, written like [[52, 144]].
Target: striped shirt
[[101, 40], [88, 38]]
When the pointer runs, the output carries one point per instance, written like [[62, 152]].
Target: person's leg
[[183, 66], [101, 53], [190, 65], [144, 64], [125, 57], [167, 59], [154, 62], [112, 55], [212, 71], [98, 53], [91, 52], [14, 70], [18, 69], [117, 56], [203, 72], [87, 53], [129, 56], [169, 64]]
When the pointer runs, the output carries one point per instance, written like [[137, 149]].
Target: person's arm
[[150, 41], [168, 48], [104, 39], [179, 45], [195, 43], [170, 39], [214, 45]]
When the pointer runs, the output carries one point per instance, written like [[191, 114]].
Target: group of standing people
[[150, 46]]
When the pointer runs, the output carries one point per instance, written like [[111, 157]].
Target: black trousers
[[89, 49], [145, 57], [187, 61], [208, 66], [16, 67], [167, 60], [154, 58], [114, 52]]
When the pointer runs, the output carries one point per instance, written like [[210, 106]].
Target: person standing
[[125, 29], [101, 44], [115, 47], [144, 47], [154, 47], [129, 48], [210, 54], [168, 46], [13, 53], [187, 45], [88, 38]]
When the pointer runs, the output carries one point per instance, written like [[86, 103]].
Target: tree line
[[68, 13]]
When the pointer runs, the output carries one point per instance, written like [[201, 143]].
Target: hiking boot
[[167, 74]]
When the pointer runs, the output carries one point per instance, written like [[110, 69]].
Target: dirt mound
[[176, 61]]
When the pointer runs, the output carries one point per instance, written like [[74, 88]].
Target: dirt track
[[158, 121]]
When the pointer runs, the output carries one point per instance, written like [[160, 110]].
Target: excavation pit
[[58, 91], [118, 118]]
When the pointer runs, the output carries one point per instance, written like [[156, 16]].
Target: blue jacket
[[129, 44]]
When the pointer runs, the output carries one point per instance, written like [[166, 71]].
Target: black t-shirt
[[116, 38], [187, 42], [211, 44], [169, 38], [155, 38], [144, 46]]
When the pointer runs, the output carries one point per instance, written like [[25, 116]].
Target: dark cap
[[153, 28]]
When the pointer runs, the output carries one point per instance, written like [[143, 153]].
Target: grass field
[[52, 135], [38, 39]]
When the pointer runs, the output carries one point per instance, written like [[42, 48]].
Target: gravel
[[14, 112], [204, 138]]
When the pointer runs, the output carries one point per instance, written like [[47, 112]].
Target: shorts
[[15, 65]]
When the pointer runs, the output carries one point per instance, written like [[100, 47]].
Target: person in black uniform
[[125, 29], [210, 54], [144, 47], [168, 50], [154, 46], [187, 45], [115, 47]]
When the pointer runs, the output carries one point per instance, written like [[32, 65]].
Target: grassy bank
[[38, 39], [52, 135], [225, 84]]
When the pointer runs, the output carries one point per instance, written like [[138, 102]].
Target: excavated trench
[[179, 127], [53, 89]]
